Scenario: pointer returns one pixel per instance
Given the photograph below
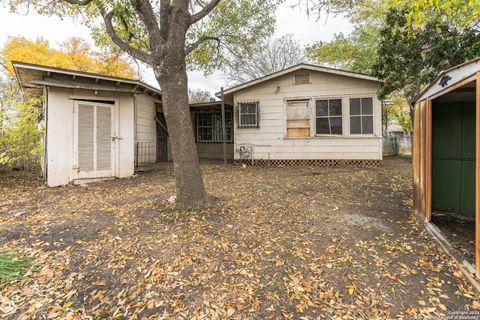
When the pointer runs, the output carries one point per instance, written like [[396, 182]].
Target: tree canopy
[[75, 53]]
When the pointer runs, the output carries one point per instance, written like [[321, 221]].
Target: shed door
[[94, 140], [453, 157]]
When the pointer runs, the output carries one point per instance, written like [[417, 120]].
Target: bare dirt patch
[[277, 242]]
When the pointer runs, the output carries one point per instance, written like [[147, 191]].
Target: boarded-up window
[[298, 119], [302, 78], [248, 114], [361, 116], [329, 116]]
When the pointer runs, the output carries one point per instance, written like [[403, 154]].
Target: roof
[[464, 72], [32, 77], [299, 67]]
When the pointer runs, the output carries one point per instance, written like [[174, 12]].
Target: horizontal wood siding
[[146, 127], [269, 141]]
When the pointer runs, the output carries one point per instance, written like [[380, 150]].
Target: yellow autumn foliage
[[74, 53]]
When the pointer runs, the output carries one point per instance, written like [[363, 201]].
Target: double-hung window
[[329, 117], [209, 127], [248, 114], [361, 116]]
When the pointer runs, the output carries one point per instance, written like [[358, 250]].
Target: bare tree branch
[[205, 11], [79, 2], [197, 43], [134, 52]]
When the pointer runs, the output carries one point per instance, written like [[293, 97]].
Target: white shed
[[96, 126], [308, 114]]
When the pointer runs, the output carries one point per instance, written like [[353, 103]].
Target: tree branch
[[146, 13], [134, 52], [205, 11], [79, 2], [197, 43]]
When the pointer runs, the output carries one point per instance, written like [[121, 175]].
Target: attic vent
[[302, 78]]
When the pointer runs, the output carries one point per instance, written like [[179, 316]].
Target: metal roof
[[462, 73], [34, 76]]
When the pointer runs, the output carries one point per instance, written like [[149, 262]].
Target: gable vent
[[302, 78]]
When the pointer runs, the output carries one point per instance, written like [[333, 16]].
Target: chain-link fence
[[397, 145]]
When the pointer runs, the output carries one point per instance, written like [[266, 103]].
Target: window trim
[[256, 114], [315, 99], [212, 113], [373, 115]]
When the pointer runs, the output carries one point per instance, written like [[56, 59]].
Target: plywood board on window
[[298, 132]]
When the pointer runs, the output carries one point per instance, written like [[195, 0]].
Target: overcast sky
[[289, 20]]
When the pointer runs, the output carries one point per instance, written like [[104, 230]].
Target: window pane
[[336, 107], [355, 125], [367, 125], [248, 108], [322, 126], [367, 106], [322, 108], [336, 125], [248, 120], [355, 106]]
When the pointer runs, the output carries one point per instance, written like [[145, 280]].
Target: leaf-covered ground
[[278, 242]]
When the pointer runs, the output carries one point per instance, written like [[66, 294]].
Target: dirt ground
[[277, 242]]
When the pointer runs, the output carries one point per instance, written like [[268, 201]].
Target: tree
[[164, 34], [199, 95], [265, 58], [409, 57], [75, 53]]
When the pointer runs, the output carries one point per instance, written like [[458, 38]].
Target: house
[[307, 114], [98, 126], [446, 153]]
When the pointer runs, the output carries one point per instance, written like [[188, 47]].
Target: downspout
[[45, 152], [135, 151]]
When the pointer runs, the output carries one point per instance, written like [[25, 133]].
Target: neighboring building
[[307, 113]]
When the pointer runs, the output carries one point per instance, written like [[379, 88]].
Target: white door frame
[[78, 173]]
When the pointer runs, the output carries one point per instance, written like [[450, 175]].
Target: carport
[[446, 146]]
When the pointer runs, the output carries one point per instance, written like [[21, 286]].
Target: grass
[[13, 267]]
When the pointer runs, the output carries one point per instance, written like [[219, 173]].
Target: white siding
[[60, 133], [146, 128], [269, 141]]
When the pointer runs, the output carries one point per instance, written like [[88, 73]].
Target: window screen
[[248, 114], [209, 127], [361, 116], [329, 116], [298, 119]]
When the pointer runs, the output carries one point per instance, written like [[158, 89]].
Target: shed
[[446, 152]]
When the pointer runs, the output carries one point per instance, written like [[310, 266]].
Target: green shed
[[447, 147]]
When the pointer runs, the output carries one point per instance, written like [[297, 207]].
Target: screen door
[[94, 139]]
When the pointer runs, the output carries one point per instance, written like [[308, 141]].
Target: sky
[[295, 21]]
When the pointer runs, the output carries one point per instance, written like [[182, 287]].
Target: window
[[302, 78], [298, 119], [361, 116], [248, 114], [209, 127], [329, 116]]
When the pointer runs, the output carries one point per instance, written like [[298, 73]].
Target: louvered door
[[94, 140]]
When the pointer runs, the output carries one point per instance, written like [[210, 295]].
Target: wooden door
[[94, 139]]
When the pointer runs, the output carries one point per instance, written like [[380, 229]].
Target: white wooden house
[[94, 124], [308, 114]]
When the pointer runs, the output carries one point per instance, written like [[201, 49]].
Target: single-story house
[[446, 165], [307, 114], [99, 126]]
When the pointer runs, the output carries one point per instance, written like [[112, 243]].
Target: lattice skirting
[[318, 163]]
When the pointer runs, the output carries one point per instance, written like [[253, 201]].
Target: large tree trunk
[[171, 74]]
